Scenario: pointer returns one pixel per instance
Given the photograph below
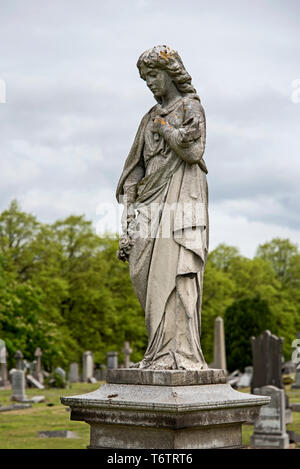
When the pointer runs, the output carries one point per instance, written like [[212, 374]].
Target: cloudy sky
[[74, 100]]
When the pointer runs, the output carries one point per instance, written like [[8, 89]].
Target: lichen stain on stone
[[164, 55]]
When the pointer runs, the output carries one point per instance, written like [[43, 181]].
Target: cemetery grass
[[19, 428]]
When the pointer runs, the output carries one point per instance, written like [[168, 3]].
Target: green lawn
[[19, 428]]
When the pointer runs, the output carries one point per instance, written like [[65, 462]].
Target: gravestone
[[266, 354], [296, 385], [18, 386], [267, 365], [74, 373], [19, 360], [112, 360], [38, 375], [61, 372], [270, 427], [234, 378], [288, 368], [87, 366], [3, 365], [57, 434], [245, 379], [34, 382], [219, 345], [127, 351]]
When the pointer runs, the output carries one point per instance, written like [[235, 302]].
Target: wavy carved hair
[[167, 59]]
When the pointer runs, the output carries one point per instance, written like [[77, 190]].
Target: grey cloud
[[74, 99]]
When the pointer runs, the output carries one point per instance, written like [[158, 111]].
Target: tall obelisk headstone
[[219, 345]]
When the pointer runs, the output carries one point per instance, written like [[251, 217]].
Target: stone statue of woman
[[165, 222]]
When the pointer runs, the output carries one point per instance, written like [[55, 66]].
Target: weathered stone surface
[[38, 375], [166, 240], [34, 382], [267, 355], [57, 434], [61, 372], [74, 373], [92, 380], [127, 350], [36, 399], [165, 378], [3, 365], [270, 427], [219, 344], [18, 386], [246, 378], [19, 360], [15, 407], [166, 244], [144, 416], [296, 385], [87, 366], [112, 360]]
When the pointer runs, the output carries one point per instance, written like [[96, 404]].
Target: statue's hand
[[157, 124]]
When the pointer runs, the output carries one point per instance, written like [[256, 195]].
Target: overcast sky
[[74, 100]]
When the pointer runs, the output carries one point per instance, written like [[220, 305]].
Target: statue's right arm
[[130, 185]]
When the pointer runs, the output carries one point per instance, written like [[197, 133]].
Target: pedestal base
[[165, 416]]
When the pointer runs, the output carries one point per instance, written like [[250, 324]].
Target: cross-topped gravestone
[[19, 360], [38, 369], [127, 350]]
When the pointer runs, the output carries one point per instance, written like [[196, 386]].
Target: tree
[[279, 252], [222, 256], [243, 319]]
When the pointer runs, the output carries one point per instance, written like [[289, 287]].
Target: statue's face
[[158, 81]]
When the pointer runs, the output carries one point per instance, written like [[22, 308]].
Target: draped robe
[[165, 176]]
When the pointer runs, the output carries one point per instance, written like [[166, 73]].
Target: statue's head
[[165, 66]]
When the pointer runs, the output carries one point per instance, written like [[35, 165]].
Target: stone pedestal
[[147, 409]]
